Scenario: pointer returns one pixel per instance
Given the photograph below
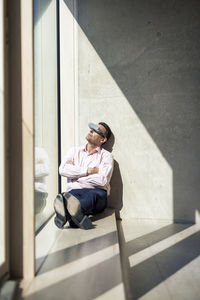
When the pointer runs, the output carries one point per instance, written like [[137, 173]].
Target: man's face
[[95, 138]]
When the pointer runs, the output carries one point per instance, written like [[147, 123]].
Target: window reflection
[[2, 148], [46, 121], [41, 171]]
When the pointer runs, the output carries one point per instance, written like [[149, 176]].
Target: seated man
[[88, 170]]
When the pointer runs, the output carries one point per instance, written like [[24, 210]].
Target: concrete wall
[[138, 66]]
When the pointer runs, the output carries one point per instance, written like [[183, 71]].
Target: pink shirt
[[76, 174]]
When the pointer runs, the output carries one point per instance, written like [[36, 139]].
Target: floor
[[160, 260], [81, 264]]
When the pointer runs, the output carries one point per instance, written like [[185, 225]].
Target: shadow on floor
[[107, 212], [85, 285], [149, 273], [70, 254]]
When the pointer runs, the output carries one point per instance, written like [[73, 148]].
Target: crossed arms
[[96, 176]]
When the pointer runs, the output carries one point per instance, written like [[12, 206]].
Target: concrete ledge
[[7, 291], [81, 264]]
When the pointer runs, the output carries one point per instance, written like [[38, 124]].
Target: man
[[88, 170]]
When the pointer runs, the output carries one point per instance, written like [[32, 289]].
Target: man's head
[[99, 134]]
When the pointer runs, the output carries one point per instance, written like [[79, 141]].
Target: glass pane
[[46, 122], [2, 153]]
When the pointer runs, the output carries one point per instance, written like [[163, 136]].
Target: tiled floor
[[160, 260]]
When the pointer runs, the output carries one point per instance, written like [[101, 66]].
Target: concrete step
[[82, 264], [7, 291]]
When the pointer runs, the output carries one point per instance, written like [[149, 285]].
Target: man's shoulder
[[106, 153]]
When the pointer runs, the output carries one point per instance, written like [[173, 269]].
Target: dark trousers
[[92, 201]]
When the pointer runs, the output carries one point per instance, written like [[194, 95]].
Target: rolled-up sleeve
[[71, 171]]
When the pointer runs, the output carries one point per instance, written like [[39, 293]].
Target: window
[[3, 221], [46, 117]]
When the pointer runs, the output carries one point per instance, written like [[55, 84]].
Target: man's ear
[[104, 140]]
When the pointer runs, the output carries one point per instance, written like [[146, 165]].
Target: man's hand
[[91, 171], [70, 162]]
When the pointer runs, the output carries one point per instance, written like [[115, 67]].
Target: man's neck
[[90, 147]]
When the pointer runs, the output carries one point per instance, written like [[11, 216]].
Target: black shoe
[[74, 208], [72, 224], [60, 218]]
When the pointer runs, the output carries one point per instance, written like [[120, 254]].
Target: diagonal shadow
[[67, 255], [154, 237], [146, 275], [39, 9], [152, 51], [85, 285], [163, 265]]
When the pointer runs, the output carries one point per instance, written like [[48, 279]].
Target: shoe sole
[[74, 208], [60, 218]]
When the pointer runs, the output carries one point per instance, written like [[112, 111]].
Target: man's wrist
[[91, 171]]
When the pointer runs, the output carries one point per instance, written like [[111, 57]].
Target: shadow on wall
[[40, 6], [116, 195], [152, 50]]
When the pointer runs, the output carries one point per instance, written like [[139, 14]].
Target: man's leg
[[68, 208], [61, 213], [74, 210], [92, 201]]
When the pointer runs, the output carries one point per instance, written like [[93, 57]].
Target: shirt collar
[[83, 148], [97, 149]]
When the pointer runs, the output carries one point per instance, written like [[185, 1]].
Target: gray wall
[[139, 67]]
